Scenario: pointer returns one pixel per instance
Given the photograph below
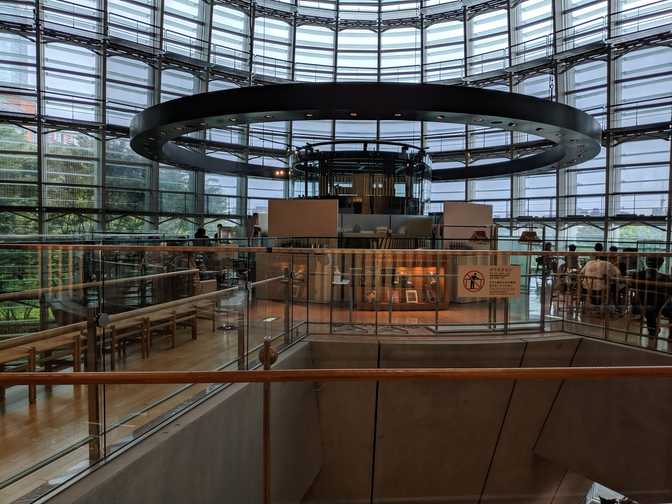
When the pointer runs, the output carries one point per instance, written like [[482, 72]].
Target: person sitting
[[630, 262], [619, 290], [220, 234], [568, 270], [653, 291], [201, 238], [548, 263], [596, 276], [614, 259], [571, 261]]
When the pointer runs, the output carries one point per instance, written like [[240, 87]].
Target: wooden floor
[[30, 434]]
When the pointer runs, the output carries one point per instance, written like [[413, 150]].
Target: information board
[[488, 281]]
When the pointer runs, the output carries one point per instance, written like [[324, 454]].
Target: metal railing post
[[542, 304], [288, 292], [438, 294], [506, 316], [243, 318], [93, 399], [331, 295], [267, 356], [307, 283], [375, 299]]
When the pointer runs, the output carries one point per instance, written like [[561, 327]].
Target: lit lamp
[[479, 235], [529, 237]]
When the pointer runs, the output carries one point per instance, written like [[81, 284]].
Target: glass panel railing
[[137, 307], [47, 426]]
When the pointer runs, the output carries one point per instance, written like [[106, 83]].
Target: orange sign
[[488, 281]]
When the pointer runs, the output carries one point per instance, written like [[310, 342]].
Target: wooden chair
[[632, 300], [121, 334], [18, 359], [206, 310], [164, 323], [59, 352], [590, 294]]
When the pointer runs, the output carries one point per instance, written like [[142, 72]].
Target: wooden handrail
[[177, 303], [234, 249], [33, 293], [616, 279], [115, 318], [360, 374]]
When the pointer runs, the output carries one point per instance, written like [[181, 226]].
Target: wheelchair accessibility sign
[[488, 281]]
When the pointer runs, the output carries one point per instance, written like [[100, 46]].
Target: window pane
[[230, 38], [70, 82], [17, 74]]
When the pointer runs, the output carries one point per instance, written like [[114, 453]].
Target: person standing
[[221, 233], [571, 261], [548, 263], [653, 290]]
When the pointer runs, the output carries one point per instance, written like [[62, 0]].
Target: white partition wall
[[461, 220], [303, 218]]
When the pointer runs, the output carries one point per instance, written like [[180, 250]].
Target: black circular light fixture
[[154, 130]]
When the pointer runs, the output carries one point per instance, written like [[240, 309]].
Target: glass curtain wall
[[70, 84]]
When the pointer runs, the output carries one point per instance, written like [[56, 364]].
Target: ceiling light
[[233, 119], [268, 116], [309, 115], [397, 114], [353, 114], [439, 117]]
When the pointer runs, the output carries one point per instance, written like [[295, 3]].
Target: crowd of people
[[607, 279]]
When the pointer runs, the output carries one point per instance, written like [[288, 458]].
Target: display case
[[395, 281]]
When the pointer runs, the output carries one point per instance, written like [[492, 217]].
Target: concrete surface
[[435, 439], [531, 442], [460, 442], [617, 432], [346, 425], [213, 454]]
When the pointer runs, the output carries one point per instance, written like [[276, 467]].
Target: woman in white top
[[596, 276]]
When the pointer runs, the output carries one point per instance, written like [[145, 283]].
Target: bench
[[52, 352], [164, 323], [206, 310], [61, 347], [18, 359], [121, 334]]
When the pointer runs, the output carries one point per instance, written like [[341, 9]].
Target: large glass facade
[[72, 75]]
